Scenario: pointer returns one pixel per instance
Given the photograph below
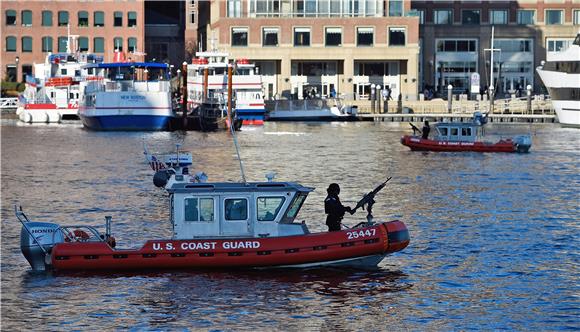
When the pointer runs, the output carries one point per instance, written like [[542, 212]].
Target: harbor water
[[495, 238]]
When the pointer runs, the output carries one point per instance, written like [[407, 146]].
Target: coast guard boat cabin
[[214, 210]]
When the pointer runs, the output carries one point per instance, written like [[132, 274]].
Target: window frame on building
[[117, 19], [46, 46], [234, 8], [546, 16], [131, 44], [100, 49], [10, 20], [46, 18], [360, 32], [115, 44], [504, 20], [270, 30], [26, 18], [131, 21], [83, 19], [26, 44], [99, 18], [83, 44], [396, 12], [61, 41], [332, 30], [392, 29], [62, 14], [464, 18], [576, 17], [244, 36], [301, 31], [11, 41], [436, 19], [520, 17]]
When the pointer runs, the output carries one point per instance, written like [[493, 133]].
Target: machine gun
[[369, 200], [415, 129]]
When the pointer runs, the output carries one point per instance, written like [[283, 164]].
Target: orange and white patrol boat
[[218, 225]]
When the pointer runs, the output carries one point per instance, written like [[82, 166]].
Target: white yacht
[[561, 76]]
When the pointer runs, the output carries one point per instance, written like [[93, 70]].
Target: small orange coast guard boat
[[464, 137], [218, 225]]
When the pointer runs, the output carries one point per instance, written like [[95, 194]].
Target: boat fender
[[160, 178]]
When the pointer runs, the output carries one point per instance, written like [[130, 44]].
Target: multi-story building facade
[[320, 46], [455, 39], [33, 29]]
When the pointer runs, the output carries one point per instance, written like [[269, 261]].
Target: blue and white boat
[[132, 96]]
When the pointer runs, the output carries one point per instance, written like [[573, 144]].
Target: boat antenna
[[231, 122]]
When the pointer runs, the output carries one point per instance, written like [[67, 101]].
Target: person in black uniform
[[426, 130], [334, 208]]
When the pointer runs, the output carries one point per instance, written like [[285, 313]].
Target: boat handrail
[[70, 233]]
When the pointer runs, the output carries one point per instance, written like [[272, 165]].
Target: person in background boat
[[334, 208], [426, 130]]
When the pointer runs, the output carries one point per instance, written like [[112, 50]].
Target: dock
[[458, 117]]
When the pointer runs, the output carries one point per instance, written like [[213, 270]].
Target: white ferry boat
[[207, 79], [312, 110], [132, 96], [52, 94], [561, 76]]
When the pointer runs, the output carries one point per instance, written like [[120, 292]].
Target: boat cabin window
[[198, 209], [295, 206], [236, 209], [454, 131], [268, 207], [443, 131], [466, 132]]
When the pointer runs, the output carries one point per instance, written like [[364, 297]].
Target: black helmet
[[334, 188]]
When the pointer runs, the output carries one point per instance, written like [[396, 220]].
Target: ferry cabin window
[[198, 209], [268, 207], [236, 209]]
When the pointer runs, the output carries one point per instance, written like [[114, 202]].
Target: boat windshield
[[294, 207]]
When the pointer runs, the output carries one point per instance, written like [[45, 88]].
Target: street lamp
[[17, 59]]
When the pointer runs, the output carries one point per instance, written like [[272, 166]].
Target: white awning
[[301, 29], [365, 30], [239, 30], [271, 30], [333, 30]]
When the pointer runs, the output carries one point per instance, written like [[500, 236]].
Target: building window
[[10, 44], [301, 36], [498, 16], [26, 18], [239, 36], [452, 45], [395, 7], [99, 19], [270, 37], [443, 16], [470, 16], [397, 37], [62, 42], [236, 209], [576, 17], [47, 44], [118, 19], [514, 45], [553, 17], [365, 36], [234, 8], [26, 44], [46, 18], [62, 19], [132, 19], [99, 45], [10, 17], [83, 44], [526, 17], [83, 19], [333, 37], [118, 44], [132, 44]]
